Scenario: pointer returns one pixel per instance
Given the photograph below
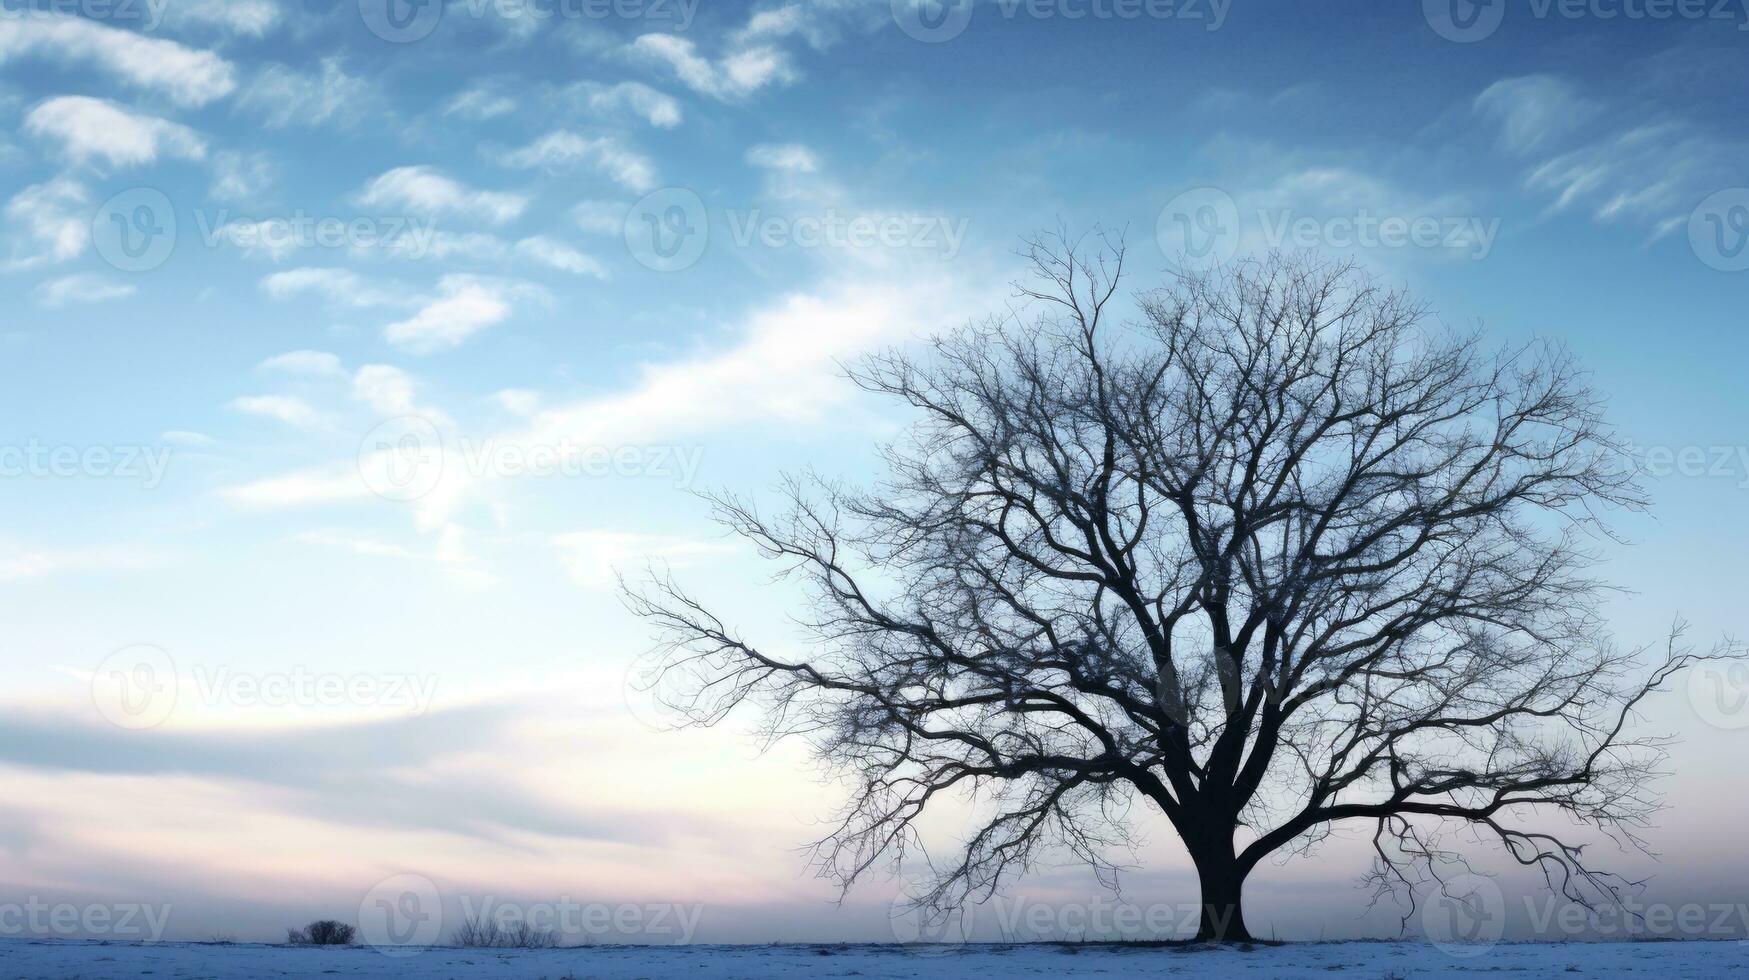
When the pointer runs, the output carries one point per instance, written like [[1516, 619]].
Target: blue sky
[[251, 248]]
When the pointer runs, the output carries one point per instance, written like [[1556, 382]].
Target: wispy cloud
[[1641, 166], [80, 289], [88, 129], [289, 409], [312, 363], [464, 305], [341, 287], [187, 76], [562, 151], [282, 96], [1535, 110], [734, 76], [554, 254], [55, 220], [654, 107], [425, 190]]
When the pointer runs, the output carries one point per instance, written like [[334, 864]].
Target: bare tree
[[1281, 554]]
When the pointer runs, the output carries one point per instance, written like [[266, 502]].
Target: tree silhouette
[[1280, 554]]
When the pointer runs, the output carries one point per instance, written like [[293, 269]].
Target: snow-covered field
[[93, 961]]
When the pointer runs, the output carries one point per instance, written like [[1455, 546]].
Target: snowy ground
[[1666, 961]]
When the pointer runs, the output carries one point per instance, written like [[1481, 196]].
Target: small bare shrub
[[480, 932], [324, 932]]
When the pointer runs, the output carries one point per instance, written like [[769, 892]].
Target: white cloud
[[428, 243], [555, 254], [291, 410], [787, 157], [736, 76], [298, 489], [358, 544], [448, 551], [518, 401], [187, 76], [654, 107], [239, 176], [251, 18], [812, 21], [772, 23], [387, 389], [464, 306], [87, 128], [425, 190], [1534, 110], [601, 217], [342, 287], [283, 96], [786, 368], [19, 564], [593, 557], [560, 150], [314, 363], [480, 103], [56, 220], [82, 288], [1649, 169]]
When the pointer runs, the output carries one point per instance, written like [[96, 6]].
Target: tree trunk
[[1223, 884]]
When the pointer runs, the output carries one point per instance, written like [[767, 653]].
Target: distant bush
[[483, 933], [325, 932]]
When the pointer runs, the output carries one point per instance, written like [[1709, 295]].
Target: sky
[[351, 348]]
